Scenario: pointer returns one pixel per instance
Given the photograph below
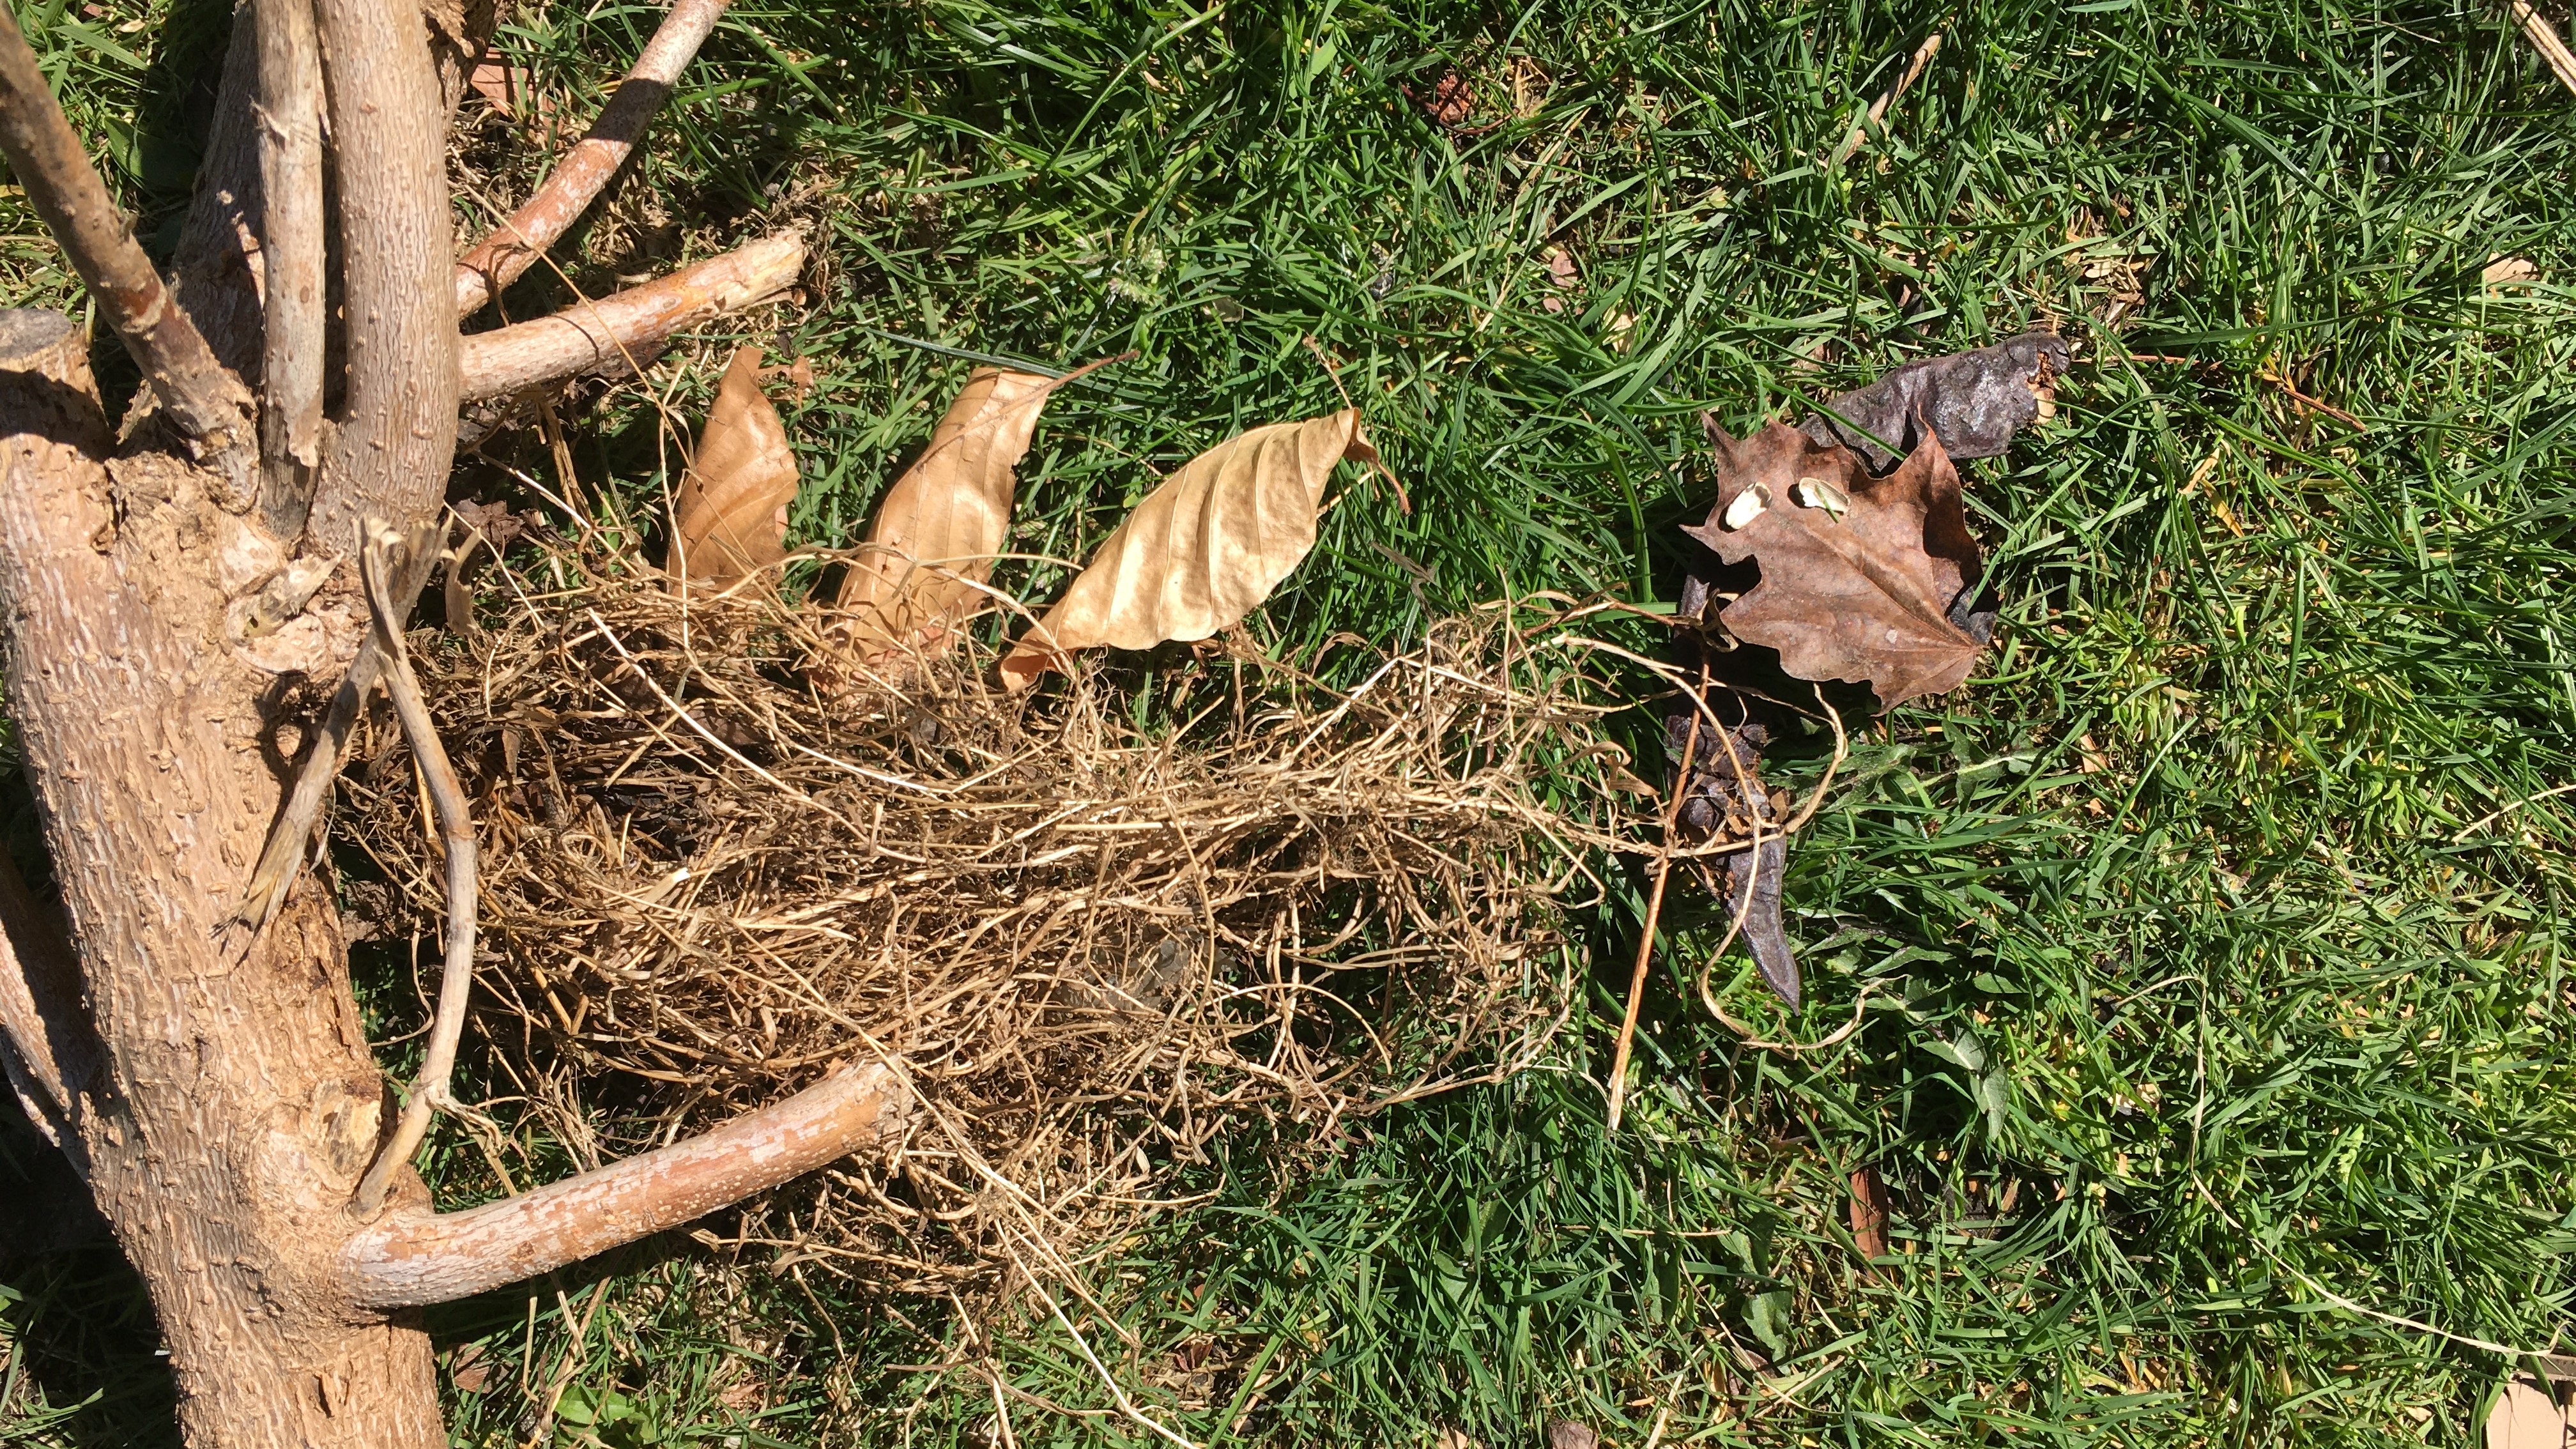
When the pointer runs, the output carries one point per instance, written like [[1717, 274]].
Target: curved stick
[[577, 180], [456, 832], [615, 328], [415, 1258]]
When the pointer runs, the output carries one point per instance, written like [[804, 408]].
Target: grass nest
[[1096, 925]]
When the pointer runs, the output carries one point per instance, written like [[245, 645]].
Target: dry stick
[[289, 116], [1878, 108], [207, 402], [515, 244], [411, 1259], [47, 1042], [1654, 914], [2544, 38], [456, 832], [592, 334]]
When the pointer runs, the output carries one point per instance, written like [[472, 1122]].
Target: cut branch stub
[[515, 245], [207, 402], [414, 1259], [620, 327], [1858, 573]]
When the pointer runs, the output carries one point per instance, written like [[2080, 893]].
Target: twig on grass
[[2544, 38], [577, 180], [456, 833], [1654, 914], [1877, 113], [616, 327]]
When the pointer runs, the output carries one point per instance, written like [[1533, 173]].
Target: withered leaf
[[1858, 573], [1726, 796], [730, 517], [1869, 1212], [1202, 550], [1973, 401], [936, 534]]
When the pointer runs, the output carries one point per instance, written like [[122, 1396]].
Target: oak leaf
[[1859, 574], [1202, 550], [730, 518], [944, 521]]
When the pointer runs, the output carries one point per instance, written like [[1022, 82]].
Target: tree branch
[[616, 327], [290, 173], [456, 834], [415, 1258], [515, 245], [47, 1036], [389, 456], [208, 404]]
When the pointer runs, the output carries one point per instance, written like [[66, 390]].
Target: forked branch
[[207, 403], [622, 325], [456, 834], [413, 1259], [515, 245]]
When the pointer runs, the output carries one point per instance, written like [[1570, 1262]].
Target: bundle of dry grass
[[1090, 943]]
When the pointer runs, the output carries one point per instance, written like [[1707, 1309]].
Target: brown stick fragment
[[209, 404], [388, 457], [2544, 38], [1646, 942], [290, 171], [46, 1038], [412, 1259], [616, 327], [515, 245], [456, 833], [1878, 108]]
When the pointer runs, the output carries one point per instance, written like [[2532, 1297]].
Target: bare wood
[[456, 834], [415, 1258], [208, 403], [615, 328], [388, 456], [217, 273], [2544, 38], [291, 250], [1878, 108], [577, 180]]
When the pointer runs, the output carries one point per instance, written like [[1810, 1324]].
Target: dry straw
[[1090, 945]]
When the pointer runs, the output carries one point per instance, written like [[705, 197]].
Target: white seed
[[1817, 493], [1748, 505]]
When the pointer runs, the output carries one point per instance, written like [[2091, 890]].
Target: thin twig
[[1877, 113], [616, 327], [577, 180], [2544, 38], [1654, 914], [456, 832]]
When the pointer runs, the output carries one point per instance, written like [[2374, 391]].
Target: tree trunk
[[207, 1073]]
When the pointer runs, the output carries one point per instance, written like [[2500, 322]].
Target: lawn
[[2217, 1052]]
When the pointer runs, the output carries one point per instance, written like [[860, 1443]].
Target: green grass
[[2218, 1040]]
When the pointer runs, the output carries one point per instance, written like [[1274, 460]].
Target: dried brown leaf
[[730, 518], [936, 534], [1869, 1212], [1859, 574], [1202, 550]]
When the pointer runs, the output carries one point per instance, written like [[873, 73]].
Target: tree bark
[[617, 327], [290, 173], [239, 1098]]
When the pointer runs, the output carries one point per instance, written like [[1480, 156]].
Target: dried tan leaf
[[1869, 1212], [945, 519], [1202, 550], [730, 517], [1859, 574], [2527, 1416]]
